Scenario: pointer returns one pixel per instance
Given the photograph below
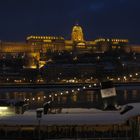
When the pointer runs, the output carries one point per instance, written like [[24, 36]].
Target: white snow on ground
[[74, 117]]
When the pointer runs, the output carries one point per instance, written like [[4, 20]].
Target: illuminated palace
[[36, 45]]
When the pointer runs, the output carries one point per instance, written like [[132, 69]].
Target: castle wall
[[14, 47]]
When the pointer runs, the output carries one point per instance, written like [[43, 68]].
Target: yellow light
[[136, 74], [124, 77], [89, 86], [84, 87], [47, 41], [78, 89], [67, 92], [33, 67], [3, 108], [95, 84]]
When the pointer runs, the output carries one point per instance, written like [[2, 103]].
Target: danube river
[[70, 97]]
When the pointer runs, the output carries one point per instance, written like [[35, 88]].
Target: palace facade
[[36, 45]]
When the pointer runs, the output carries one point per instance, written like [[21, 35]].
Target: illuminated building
[[44, 43], [112, 44], [77, 56], [76, 43], [135, 48], [36, 45], [14, 47], [77, 34]]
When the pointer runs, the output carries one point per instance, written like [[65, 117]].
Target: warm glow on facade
[[43, 44], [77, 34]]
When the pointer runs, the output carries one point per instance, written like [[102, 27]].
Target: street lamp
[[39, 116]]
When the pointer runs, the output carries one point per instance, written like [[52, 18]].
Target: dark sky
[[99, 18]]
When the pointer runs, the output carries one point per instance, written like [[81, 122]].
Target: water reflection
[[86, 98]]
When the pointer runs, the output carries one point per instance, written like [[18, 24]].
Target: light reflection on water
[[88, 98]]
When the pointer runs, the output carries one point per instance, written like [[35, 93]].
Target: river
[[71, 97]]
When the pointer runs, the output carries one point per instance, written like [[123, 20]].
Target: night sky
[[99, 18]]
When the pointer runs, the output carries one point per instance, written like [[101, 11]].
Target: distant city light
[[95, 84], [119, 78], [78, 89], [84, 87], [136, 74], [135, 57], [125, 78], [90, 86]]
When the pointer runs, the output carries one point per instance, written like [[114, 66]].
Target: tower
[[77, 34]]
